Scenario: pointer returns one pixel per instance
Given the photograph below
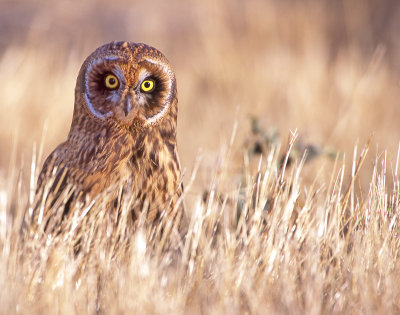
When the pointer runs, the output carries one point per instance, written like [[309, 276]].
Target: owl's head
[[127, 83]]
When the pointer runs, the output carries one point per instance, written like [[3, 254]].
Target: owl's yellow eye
[[111, 82], [148, 85]]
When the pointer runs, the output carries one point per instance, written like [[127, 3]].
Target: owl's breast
[[154, 181]]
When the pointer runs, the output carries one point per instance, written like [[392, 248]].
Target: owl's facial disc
[[119, 89]]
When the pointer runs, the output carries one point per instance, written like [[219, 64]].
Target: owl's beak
[[127, 106], [126, 110]]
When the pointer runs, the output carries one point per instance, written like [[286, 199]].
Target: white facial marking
[[143, 75], [111, 58]]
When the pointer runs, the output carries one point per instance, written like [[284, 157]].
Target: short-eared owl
[[122, 139]]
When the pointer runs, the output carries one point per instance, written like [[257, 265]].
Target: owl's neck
[[102, 148]]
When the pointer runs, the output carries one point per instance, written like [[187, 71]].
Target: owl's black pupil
[[111, 81], [146, 85]]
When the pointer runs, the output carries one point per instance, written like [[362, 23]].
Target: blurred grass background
[[331, 69]]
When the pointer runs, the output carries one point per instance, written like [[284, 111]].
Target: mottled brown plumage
[[122, 139]]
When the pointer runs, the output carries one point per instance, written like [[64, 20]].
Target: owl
[[122, 140]]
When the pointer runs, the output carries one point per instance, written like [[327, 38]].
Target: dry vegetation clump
[[269, 245]]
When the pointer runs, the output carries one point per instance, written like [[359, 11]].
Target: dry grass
[[309, 236]]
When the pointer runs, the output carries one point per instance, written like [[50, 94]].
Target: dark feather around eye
[[98, 82], [158, 84]]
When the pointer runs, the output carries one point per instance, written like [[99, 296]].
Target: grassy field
[[272, 231]]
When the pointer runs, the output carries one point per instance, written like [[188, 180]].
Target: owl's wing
[[53, 194]]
